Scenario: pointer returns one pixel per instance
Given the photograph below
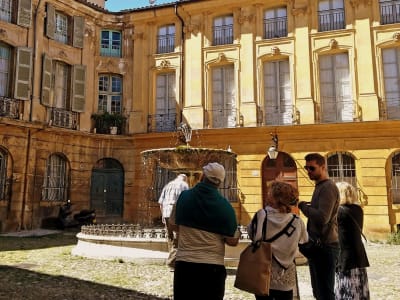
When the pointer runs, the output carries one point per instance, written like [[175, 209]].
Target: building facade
[[84, 91]]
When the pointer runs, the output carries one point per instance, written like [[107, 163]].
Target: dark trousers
[[197, 281], [322, 272], [277, 295]]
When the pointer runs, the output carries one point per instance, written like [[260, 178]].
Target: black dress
[[351, 280]]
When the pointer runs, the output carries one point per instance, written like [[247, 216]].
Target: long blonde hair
[[347, 193]]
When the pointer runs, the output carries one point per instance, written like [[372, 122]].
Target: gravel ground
[[43, 268]]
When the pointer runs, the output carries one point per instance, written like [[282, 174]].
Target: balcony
[[275, 28], [64, 118], [9, 107], [332, 19], [390, 12], [166, 43], [223, 35], [221, 118], [162, 122]]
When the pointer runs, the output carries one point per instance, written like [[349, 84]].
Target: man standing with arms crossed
[[322, 213]]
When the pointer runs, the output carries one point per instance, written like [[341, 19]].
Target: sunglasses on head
[[309, 168]]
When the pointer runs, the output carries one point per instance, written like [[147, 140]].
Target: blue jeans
[[322, 272]]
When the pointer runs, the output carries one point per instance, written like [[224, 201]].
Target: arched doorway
[[283, 168], [107, 189]]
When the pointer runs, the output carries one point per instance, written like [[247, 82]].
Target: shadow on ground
[[18, 282]]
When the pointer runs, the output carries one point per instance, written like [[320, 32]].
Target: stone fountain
[[127, 241]]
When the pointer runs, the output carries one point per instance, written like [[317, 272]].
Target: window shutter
[[50, 21], [46, 80], [79, 27], [23, 74], [24, 13], [78, 88]]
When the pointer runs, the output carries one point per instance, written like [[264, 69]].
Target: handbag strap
[[284, 230], [354, 221]]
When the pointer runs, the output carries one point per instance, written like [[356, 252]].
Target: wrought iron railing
[[223, 35], [275, 28], [221, 118], [390, 108], [64, 118], [166, 43], [331, 19], [390, 11], [162, 122], [9, 107]]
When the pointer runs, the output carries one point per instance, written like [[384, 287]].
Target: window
[[390, 11], [391, 74], [63, 28], [335, 89], [330, 15], [395, 189], [278, 105], [223, 97], [166, 39], [341, 167], [275, 23], [5, 69], [15, 74], [63, 92], [223, 30], [110, 93], [16, 11], [56, 179], [165, 118], [110, 43]]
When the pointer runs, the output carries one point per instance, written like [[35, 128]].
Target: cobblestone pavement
[[32, 270]]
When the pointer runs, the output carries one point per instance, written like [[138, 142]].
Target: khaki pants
[[172, 239]]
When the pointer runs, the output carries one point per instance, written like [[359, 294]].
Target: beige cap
[[215, 172]]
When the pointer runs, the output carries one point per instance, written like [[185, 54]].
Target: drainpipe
[[182, 69]]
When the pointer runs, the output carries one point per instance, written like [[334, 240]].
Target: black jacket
[[352, 251]]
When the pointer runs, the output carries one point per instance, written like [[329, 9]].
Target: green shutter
[[78, 88], [24, 13], [50, 21], [46, 80], [79, 28], [23, 74]]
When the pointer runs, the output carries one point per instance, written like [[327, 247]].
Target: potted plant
[[107, 123]]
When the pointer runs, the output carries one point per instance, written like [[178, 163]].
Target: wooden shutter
[[78, 88], [24, 13], [46, 80], [50, 21], [23, 74], [79, 27]]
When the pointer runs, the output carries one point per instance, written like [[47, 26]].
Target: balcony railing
[[390, 108], [282, 115], [113, 51], [332, 19], [221, 118], [9, 107], [223, 35], [166, 43], [390, 12], [275, 28], [337, 109], [64, 118], [162, 122]]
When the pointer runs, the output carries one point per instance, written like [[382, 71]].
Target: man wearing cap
[[168, 197], [206, 221]]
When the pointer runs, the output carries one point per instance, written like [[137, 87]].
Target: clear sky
[[117, 5]]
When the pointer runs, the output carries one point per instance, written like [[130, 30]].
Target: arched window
[[341, 167], [56, 183], [395, 189]]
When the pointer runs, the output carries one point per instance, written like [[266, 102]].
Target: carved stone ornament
[[89, 32], [192, 28], [165, 64], [396, 36], [221, 57], [3, 33], [356, 3], [301, 11], [333, 44], [243, 18], [138, 36], [62, 54], [275, 51]]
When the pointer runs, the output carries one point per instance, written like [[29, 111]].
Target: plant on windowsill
[[104, 121]]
